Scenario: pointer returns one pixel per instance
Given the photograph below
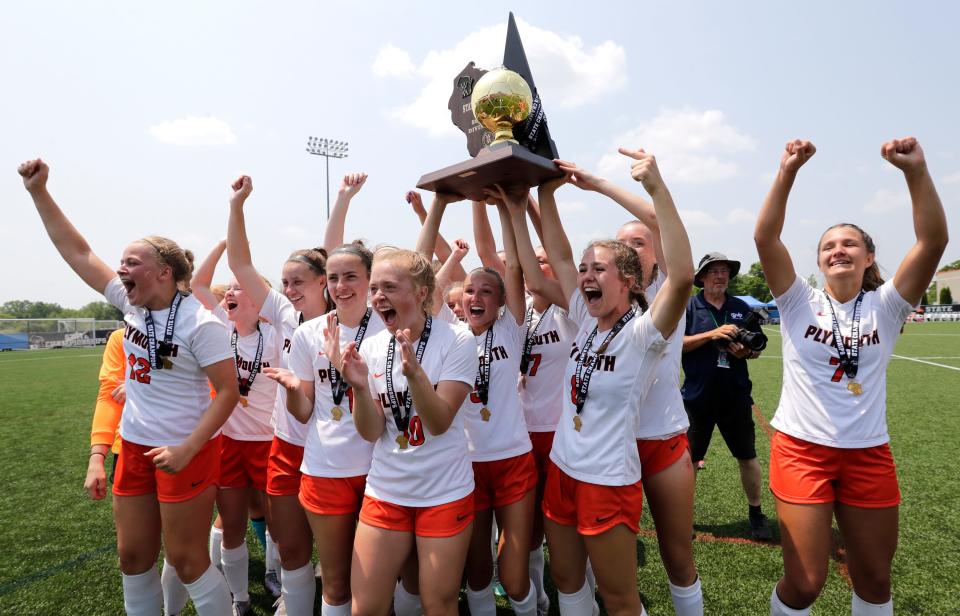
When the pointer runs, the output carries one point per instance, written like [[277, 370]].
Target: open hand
[[579, 177], [331, 340], [353, 367], [287, 379]]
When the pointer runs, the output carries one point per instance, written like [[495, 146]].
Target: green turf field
[[57, 548]]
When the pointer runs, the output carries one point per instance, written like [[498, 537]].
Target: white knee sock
[[580, 603], [174, 592], [859, 607], [236, 565], [405, 603], [536, 573], [210, 594], [271, 555], [334, 610], [215, 543], [142, 593], [687, 600], [527, 607], [777, 607], [481, 602], [298, 588], [591, 578]]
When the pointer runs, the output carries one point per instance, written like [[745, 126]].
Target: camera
[[755, 341]]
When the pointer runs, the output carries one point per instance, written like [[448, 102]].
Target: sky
[[147, 111]]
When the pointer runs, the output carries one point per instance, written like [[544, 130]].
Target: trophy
[[502, 116]]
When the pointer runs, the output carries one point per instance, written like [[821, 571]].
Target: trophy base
[[504, 164]]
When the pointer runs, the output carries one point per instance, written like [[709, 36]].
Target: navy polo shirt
[[703, 379]]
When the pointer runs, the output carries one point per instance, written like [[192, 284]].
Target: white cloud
[[690, 145], [885, 201], [698, 219], [953, 178], [741, 216], [194, 130], [567, 72], [391, 61]]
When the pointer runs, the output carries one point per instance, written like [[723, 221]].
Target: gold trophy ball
[[501, 99]]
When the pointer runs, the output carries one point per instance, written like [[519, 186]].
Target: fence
[[23, 334]]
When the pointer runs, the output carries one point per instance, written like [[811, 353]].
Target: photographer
[[721, 334]]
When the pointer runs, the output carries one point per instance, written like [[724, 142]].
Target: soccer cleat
[[281, 608], [240, 608], [272, 583], [760, 528]]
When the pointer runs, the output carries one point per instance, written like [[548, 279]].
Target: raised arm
[[349, 187], [634, 204], [69, 243], [483, 239], [555, 240], [671, 300], [238, 246], [535, 280], [513, 280], [533, 211], [203, 276], [929, 221], [441, 249], [774, 257], [447, 274]]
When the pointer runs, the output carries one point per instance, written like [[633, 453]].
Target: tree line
[[26, 309]]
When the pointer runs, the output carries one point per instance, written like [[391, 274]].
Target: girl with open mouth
[[593, 496], [169, 456]]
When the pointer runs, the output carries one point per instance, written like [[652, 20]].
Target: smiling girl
[[830, 456], [169, 459]]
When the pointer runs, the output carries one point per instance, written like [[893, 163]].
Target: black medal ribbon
[[528, 341], [156, 352], [246, 383], [584, 369], [850, 362], [402, 419], [482, 384], [338, 385]]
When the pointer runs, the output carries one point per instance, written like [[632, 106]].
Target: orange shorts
[[283, 468], [243, 463], [542, 444], [136, 474], [802, 472], [659, 455], [332, 495], [444, 520], [592, 508], [499, 483]]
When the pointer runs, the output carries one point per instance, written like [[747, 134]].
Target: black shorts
[[116, 458], [733, 417]]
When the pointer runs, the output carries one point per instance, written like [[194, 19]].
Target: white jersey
[[541, 390], [279, 312], [604, 450], [431, 470], [815, 403], [663, 415], [503, 434], [164, 406], [252, 421], [334, 448]]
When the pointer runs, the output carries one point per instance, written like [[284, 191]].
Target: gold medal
[[167, 364], [577, 424], [403, 441], [855, 387], [243, 402], [337, 413], [485, 414]]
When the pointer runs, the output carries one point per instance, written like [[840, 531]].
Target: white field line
[[14, 361], [929, 363]]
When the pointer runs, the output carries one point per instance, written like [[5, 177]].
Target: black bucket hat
[[711, 258]]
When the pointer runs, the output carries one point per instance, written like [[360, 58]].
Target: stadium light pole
[[328, 148]]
